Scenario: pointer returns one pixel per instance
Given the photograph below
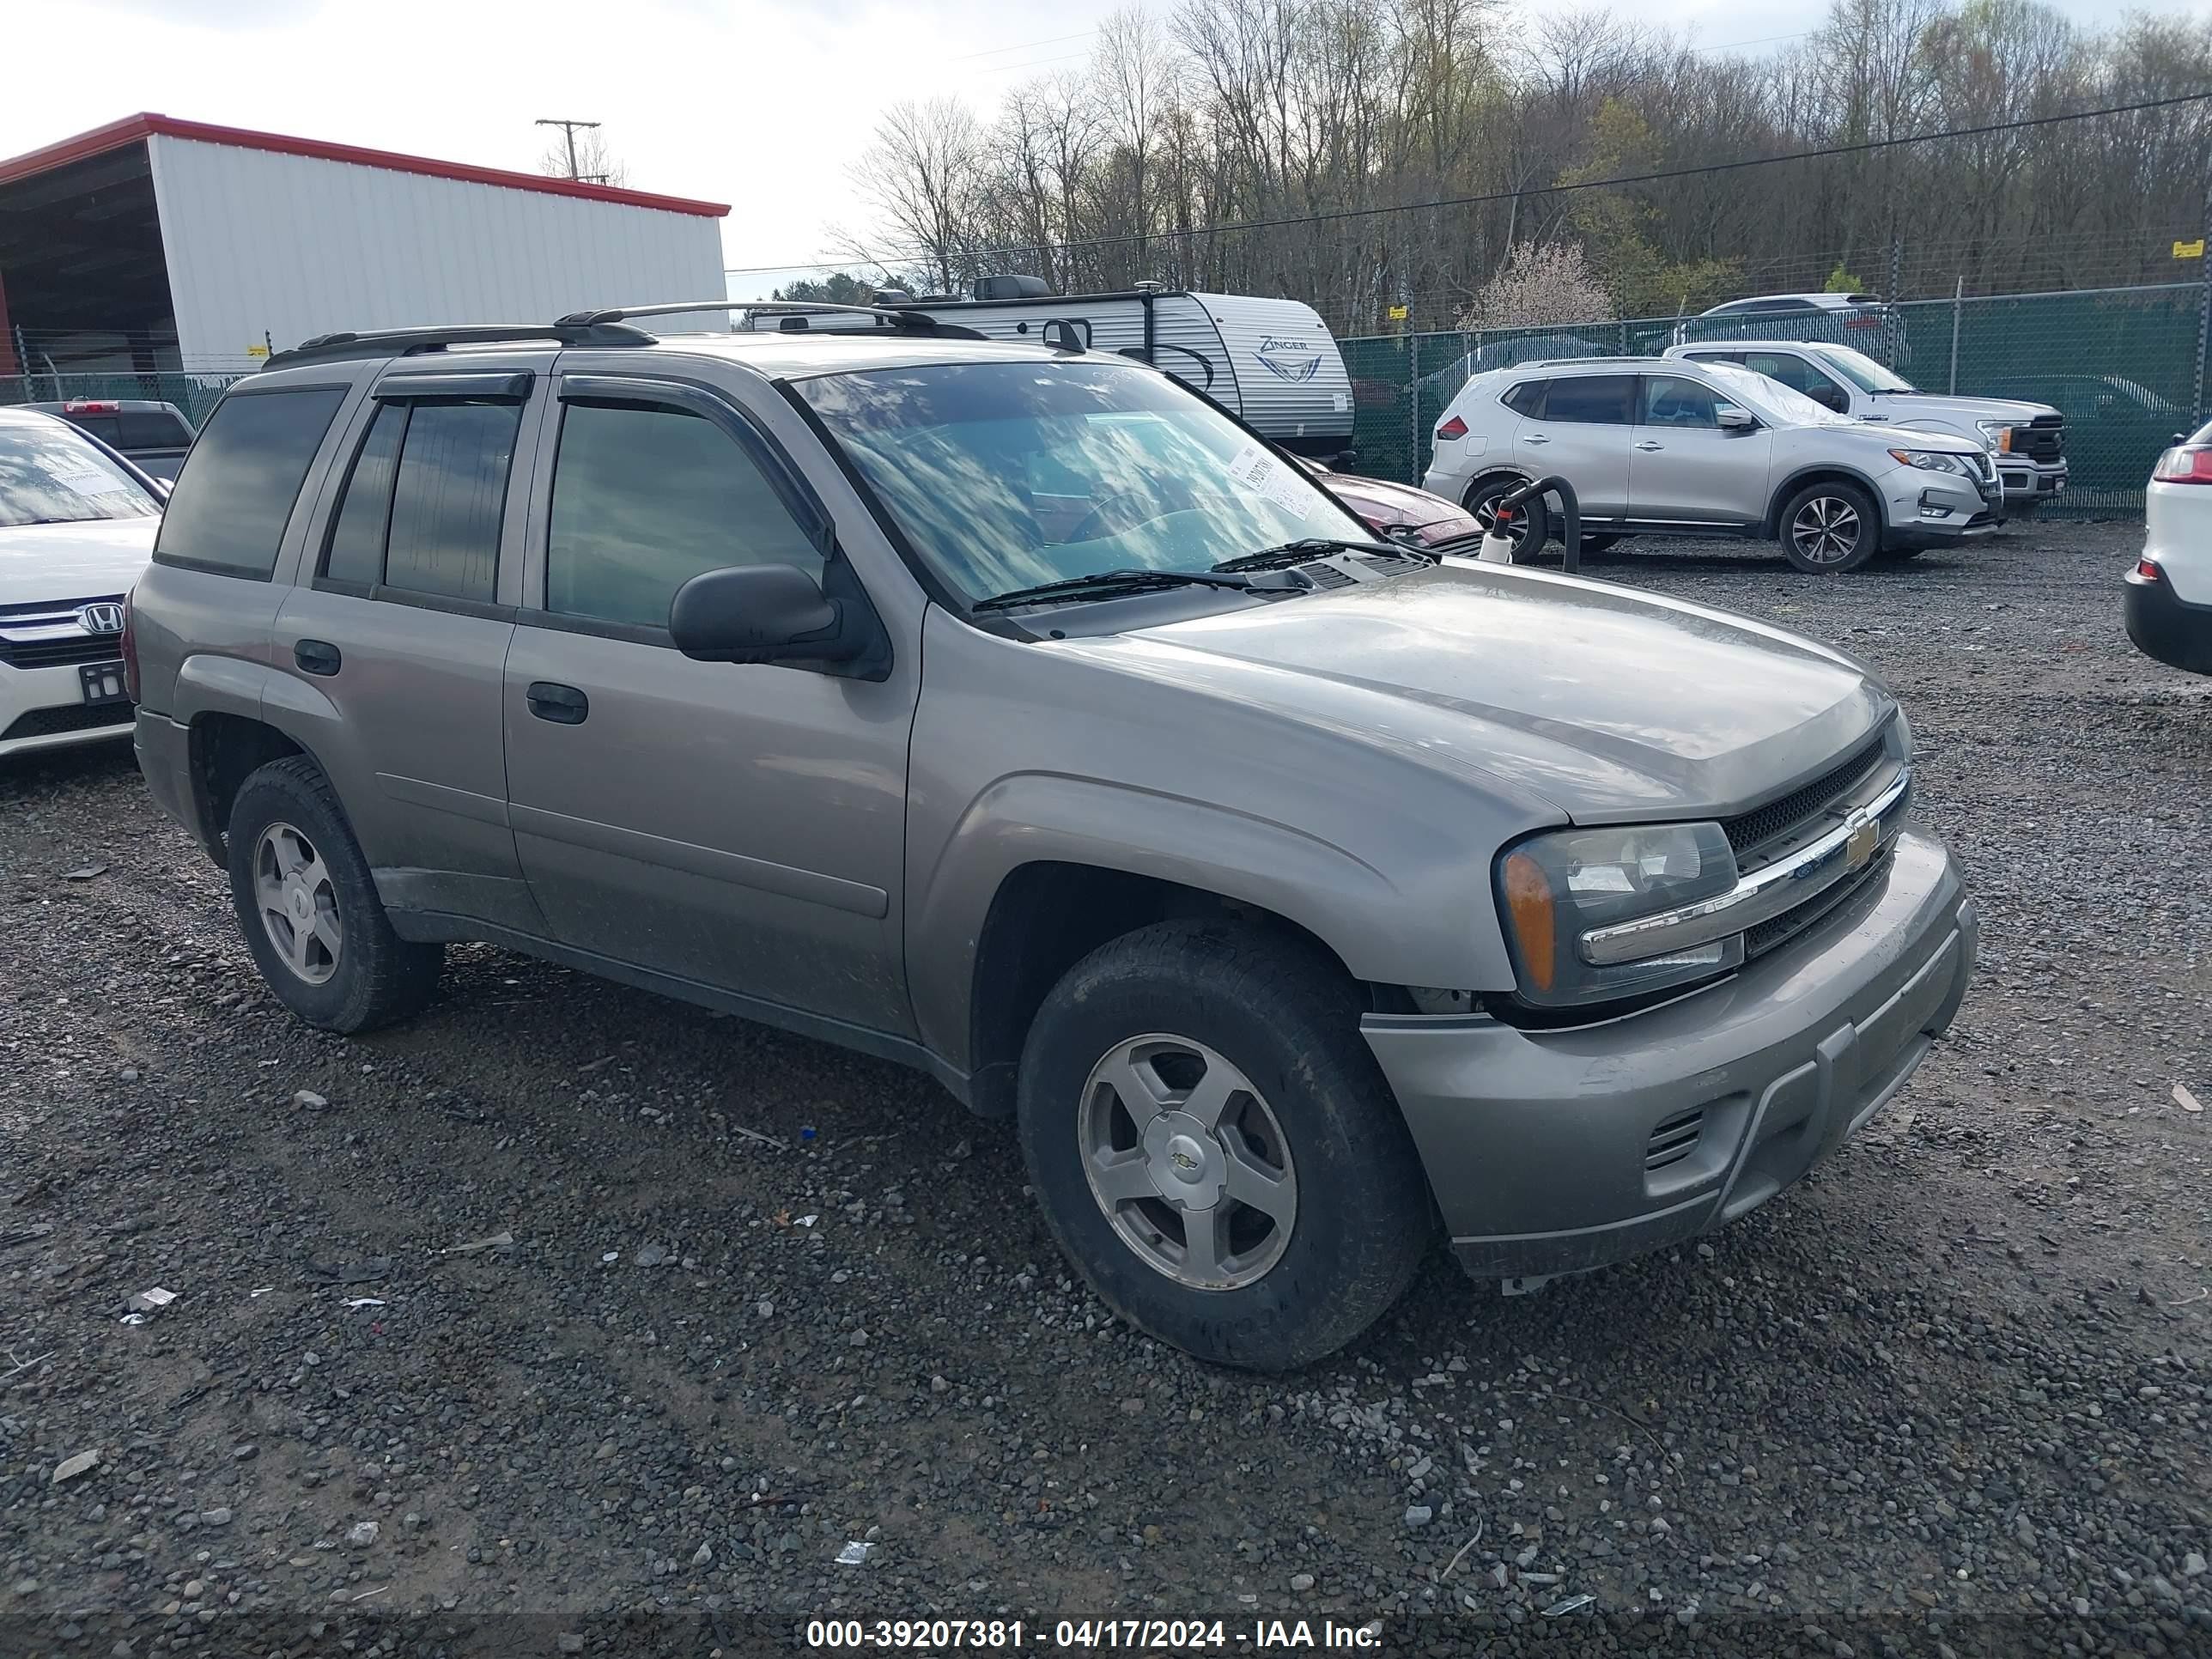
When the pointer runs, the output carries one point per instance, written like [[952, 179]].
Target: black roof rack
[[917, 322], [404, 342]]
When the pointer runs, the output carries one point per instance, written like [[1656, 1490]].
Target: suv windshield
[[1861, 371], [1007, 475], [49, 474]]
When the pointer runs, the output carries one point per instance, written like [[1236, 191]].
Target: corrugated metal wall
[[297, 246]]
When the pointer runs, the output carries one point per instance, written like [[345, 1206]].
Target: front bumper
[[1557, 1151], [2166, 627], [2025, 481], [1926, 508], [45, 708]]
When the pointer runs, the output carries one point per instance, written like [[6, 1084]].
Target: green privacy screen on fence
[[2121, 364]]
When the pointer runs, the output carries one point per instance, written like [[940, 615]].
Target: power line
[[1489, 197], [994, 52]]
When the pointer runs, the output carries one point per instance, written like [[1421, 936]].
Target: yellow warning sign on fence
[[263, 350], [2190, 250], [1397, 313]]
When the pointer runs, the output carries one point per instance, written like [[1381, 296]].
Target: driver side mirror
[[1733, 419], [763, 613]]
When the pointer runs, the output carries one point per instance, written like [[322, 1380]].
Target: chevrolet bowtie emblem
[[1865, 837]]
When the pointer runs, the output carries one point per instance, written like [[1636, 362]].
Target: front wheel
[[1828, 528], [1215, 1149]]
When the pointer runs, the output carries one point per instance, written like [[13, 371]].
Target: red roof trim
[[134, 128]]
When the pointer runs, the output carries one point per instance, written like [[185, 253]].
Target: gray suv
[[1672, 447], [1015, 713]]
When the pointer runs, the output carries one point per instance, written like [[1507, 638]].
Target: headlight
[[1997, 433], [1554, 888], [1931, 460]]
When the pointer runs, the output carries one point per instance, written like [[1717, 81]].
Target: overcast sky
[[767, 106]]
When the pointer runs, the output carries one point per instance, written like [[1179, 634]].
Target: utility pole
[[568, 132]]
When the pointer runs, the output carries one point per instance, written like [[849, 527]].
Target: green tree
[[838, 288]]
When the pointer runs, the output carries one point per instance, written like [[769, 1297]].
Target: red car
[[1400, 513]]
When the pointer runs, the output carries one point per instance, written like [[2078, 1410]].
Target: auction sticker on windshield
[[1257, 469]]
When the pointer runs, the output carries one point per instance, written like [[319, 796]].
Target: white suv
[[1667, 446], [2169, 591]]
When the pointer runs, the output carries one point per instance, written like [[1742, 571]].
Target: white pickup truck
[[2026, 441]]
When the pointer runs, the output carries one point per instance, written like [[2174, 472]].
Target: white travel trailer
[[1271, 362]]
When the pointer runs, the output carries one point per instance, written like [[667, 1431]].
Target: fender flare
[[1771, 527], [1038, 817]]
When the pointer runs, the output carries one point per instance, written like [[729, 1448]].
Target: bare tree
[[1274, 146], [925, 174]]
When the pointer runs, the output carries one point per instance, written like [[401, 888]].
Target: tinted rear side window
[[449, 499], [234, 496], [1594, 400], [356, 550], [1526, 398], [108, 429]]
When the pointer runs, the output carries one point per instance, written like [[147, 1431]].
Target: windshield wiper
[[1315, 547], [1105, 583]]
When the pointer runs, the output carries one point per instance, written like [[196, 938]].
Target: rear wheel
[[1215, 1149], [1828, 528], [1530, 527], [309, 910]]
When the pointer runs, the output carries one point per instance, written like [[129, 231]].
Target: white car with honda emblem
[[77, 531]]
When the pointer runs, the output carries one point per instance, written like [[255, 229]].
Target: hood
[[40, 563], [1382, 505], [1921, 437], [1607, 704], [1908, 405]]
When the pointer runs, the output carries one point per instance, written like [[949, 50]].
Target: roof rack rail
[[404, 342], [918, 322]]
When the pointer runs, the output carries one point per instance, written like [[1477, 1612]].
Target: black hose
[[1570, 509]]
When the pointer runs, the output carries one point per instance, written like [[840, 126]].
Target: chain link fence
[[195, 392], [2125, 367]]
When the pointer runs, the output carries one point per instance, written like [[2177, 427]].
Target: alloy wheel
[[298, 902], [1188, 1162], [1826, 530]]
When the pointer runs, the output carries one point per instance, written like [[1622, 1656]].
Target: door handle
[[316, 657], [1648, 444], [1535, 437], [564, 705]]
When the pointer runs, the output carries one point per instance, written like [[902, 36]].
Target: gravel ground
[[749, 1300]]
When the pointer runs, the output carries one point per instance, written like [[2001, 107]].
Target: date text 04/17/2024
[[1097, 1634]]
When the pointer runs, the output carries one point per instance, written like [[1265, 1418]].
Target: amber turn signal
[[1529, 899]]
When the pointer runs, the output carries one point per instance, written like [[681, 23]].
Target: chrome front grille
[[52, 634], [1765, 831]]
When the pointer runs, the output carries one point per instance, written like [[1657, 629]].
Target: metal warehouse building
[[153, 246]]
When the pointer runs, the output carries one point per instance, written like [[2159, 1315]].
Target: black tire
[[375, 977], [1288, 1019], [1535, 517], [1830, 528]]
